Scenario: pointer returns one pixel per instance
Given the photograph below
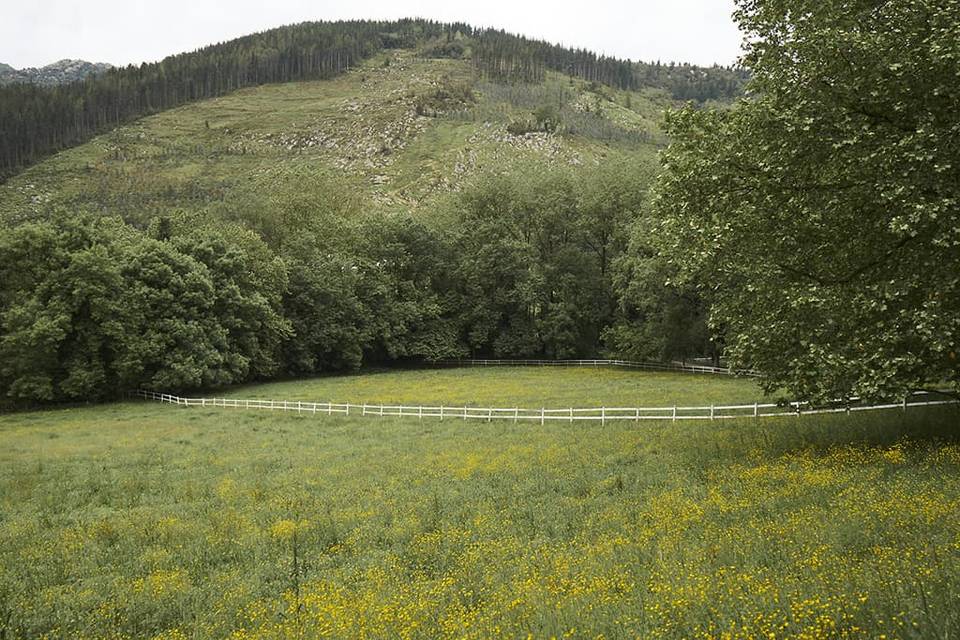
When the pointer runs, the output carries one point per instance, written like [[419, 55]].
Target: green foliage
[[61, 322], [404, 284], [535, 250], [657, 318], [298, 283], [90, 309], [500, 55], [521, 126], [451, 95], [248, 285], [173, 340], [258, 257], [821, 215], [547, 118], [445, 48]]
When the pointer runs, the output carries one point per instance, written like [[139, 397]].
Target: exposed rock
[[60, 72]]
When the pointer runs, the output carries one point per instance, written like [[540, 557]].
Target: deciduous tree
[[822, 214]]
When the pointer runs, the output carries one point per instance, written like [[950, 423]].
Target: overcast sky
[[37, 32]]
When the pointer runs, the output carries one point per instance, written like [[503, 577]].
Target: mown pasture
[[524, 386], [141, 520]]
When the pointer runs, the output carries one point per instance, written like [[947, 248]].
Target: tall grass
[[148, 521]]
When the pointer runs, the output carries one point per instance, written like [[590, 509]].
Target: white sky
[[37, 32]]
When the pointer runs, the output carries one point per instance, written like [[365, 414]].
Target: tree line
[[508, 57], [525, 263]]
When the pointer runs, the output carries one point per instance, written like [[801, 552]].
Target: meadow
[[140, 520], [524, 386]]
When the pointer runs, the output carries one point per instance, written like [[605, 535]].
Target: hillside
[[413, 204], [399, 128], [37, 121], [60, 72]]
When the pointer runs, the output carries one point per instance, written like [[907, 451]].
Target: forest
[[535, 263]]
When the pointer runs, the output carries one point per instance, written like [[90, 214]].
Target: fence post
[[299, 408], [571, 415], [543, 412], [330, 408], [489, 414], [711, 412], [364, 412], [674, 413], [464, 413], [420, 412], [516, 414], [904, 403], [441, 413], [756, 409], [603, 416], [638, 415], [203, 402]]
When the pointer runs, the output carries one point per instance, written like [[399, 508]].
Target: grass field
[[528, 387], [139, 520]]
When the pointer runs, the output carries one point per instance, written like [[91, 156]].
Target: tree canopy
[[821, 215], [524, 261]]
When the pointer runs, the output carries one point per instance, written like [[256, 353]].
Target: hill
[[35, 121], [60, 72], [399, 128], [420, 204]]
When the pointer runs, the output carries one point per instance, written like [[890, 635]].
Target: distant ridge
[[60, 72]]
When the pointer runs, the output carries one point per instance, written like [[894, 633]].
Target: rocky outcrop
[[60, 72]]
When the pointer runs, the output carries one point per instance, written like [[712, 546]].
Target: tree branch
[[847, 279]]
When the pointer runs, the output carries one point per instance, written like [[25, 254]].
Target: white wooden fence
[[542, 415]]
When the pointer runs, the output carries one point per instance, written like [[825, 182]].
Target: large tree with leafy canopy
[[821, 214]]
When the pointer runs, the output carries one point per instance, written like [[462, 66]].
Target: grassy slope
[[230, 154], [142, 520]]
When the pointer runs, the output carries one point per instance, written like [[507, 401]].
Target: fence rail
[[543, 414]]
